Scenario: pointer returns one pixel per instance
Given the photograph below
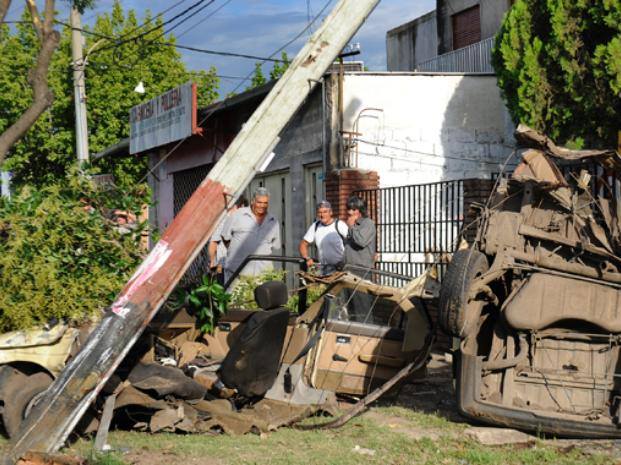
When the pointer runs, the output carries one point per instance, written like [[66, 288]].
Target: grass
[[289, 446]]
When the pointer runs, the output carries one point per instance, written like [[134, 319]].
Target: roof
[[410, 24], [245, 97]]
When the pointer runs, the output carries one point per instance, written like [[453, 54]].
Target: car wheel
[[456, 315], [19, 396]]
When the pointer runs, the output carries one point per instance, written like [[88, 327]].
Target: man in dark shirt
[[360, 244], [360, 252]]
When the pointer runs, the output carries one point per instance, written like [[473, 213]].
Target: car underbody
[[536, 301]]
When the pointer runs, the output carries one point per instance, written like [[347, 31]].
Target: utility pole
[[79, 89], [60, 408]]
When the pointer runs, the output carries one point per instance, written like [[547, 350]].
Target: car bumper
[[468, 399]]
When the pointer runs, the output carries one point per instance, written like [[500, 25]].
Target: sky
[[257, 27]]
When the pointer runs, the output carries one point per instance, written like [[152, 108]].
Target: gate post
[[341, 183], [475, 191]]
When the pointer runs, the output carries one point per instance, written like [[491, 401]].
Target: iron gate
[[184, 184], [417, 225]]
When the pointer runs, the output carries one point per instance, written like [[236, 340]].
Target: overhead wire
[[182, 20], [221, 103], [169, 44], [148, 31], [209, 15]]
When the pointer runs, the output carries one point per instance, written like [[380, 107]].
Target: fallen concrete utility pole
[[58, 411]]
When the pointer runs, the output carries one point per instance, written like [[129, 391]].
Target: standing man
[[329, 236], [216, 247], [360, 251], [251, 231], [360, 244]]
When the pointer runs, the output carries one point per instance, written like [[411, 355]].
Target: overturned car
[[536, 301]]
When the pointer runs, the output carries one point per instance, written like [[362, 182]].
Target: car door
[[363, 343]]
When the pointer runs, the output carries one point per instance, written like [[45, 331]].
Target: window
[[466, 27]]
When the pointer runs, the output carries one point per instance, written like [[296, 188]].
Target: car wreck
[[535, 301], [257, 371], [262, 369]]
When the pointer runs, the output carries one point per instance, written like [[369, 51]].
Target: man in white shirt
[[328, 234], [251, 231], [216, 247]]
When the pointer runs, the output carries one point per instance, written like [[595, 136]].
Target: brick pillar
[[341, 183], [475, 191]]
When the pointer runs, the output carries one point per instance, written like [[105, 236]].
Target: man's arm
[[362, 233], [212, 248], [304, 252]]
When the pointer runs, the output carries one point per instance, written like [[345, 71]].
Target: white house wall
[[426, 128]]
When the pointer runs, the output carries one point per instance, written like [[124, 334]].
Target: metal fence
[[184, 184], [417, 225], [475, 58]]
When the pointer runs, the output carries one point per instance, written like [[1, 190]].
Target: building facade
[[458, 37]]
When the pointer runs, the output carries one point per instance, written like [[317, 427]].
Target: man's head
[[356, 207], [260, 201], [324, 212]]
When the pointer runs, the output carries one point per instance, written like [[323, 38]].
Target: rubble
[[498, 436]]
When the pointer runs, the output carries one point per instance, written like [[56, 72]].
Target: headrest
[[271, 294]]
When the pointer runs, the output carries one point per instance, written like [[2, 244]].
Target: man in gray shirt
[[360, 243], [360, 251], [251, 231]]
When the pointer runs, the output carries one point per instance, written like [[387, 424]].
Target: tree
[[66, 250], [113, 73], [258, 78], [46, 152], [37, 76], [559, 68], [279, 68]]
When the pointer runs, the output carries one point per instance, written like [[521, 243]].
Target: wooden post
[[64, 403]]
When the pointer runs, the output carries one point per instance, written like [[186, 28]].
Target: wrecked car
[[536, 300], [29, 362], [261, 369]]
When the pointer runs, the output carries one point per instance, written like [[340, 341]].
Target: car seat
[[252, 363]]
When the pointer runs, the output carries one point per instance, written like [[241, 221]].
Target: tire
[[455, 316], [18, 394]]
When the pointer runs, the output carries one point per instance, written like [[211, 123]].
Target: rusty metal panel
[[55, 416]]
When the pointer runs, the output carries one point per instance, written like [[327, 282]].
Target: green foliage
[[47, 150], [258, 78], [62, 253], [242, 295], [208, 302], [279, 68], [105, 458], [559, 68]]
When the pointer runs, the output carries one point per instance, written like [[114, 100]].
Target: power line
[[145, 23], [203, 19], [169, 44], [215, 52], [170, 29], [148, 31], [221, 103]]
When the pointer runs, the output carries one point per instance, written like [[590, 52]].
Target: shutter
[[466, 27]]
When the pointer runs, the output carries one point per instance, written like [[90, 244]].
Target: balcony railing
[[475, 58]]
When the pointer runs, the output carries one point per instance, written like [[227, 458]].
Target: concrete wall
[[416, 128], [492, 12], [412, 43]]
